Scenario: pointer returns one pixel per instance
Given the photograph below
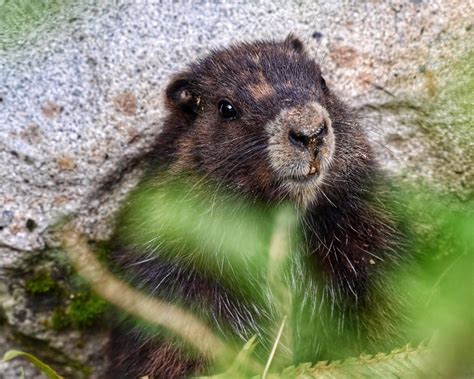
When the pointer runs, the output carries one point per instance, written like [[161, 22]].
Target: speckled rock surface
[[81, 100]]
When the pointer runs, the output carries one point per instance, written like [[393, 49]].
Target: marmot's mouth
[[302, 178], [312, 172]]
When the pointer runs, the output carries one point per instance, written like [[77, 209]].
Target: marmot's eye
[[227, 110]]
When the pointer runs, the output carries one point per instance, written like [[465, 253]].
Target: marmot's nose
[[311, 140]]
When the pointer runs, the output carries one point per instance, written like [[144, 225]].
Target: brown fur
[[350, 237]]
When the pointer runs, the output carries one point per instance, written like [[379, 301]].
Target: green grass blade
[[272, 353], [43, 367]]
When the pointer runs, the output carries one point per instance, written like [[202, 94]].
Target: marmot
[[259, 119]]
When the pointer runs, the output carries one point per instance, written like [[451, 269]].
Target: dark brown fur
[[352, 239]]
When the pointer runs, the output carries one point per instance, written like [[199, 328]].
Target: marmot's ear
[[181, 95], [294, 43]]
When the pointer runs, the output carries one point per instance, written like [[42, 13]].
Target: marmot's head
[[258, 117]]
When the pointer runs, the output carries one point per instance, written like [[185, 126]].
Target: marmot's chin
[[303, 191]]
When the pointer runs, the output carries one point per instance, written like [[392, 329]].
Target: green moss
[[42, 283], [59, 319], [22, 19], [85, 310], [68, 296]]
